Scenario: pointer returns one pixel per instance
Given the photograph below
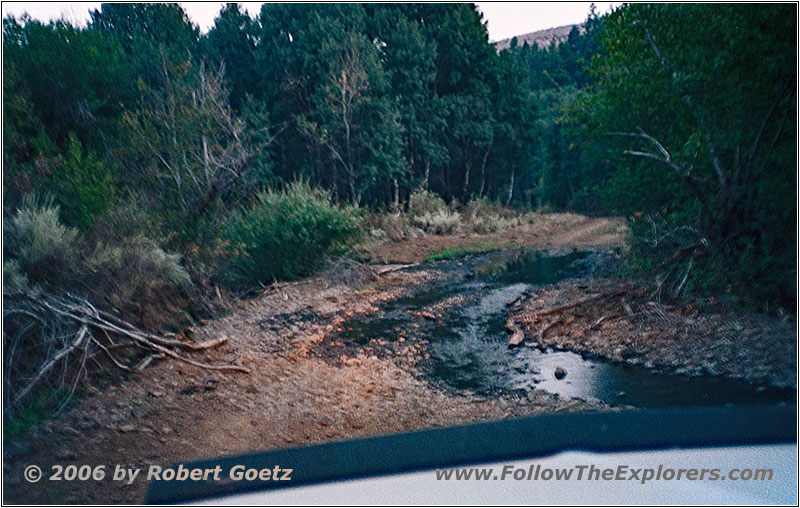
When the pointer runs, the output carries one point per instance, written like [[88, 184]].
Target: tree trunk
[[483, 172], [395, 195], [465, 187], [511, 184]]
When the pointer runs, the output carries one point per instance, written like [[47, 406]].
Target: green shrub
[[135, 269], [45, 250], [423, 202], [14, 279], [85, 187], [440, 222], [288, 234]]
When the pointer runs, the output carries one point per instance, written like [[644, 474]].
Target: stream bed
[[465, 337]]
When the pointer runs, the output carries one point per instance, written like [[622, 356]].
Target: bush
[[440, 222], [137, 268], [484, 216], [45, 250], [288, 234], [388, 225], [86, 189], [14, 279], [423, 202]]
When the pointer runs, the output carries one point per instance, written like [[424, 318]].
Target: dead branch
[[547, 328], [601, 296], [391, 269], [44, 369], [206, 345], [52, 330]]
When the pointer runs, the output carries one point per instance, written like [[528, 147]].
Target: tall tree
[[232, 40], [701, 99]]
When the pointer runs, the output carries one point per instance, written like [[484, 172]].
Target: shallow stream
[[468, 343]]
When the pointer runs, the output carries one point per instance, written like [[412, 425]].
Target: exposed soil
[[307, 387], [694, 338], [556, 230], [302, 388]]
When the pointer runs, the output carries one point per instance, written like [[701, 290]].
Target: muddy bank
[[453, 330], [692, 339]]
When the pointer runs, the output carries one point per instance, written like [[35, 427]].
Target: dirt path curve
[[294, 395], [556, 230]]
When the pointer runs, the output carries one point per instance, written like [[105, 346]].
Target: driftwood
[[63, 327], [390, 269], [517, 336], [537, 318], [561, 308]]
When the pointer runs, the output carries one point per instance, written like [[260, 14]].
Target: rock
[[155, 393], [560, 373], [350, 362], [428, 315], [516, 338], [127, 428]]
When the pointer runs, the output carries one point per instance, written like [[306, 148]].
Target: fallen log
[[385, 271]]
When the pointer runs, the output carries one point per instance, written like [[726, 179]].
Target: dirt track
[[557, 230], [297, 391]]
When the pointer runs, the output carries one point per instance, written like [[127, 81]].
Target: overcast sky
[[506, 19]]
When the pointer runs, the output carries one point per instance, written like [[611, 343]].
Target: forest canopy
[[681, 118]]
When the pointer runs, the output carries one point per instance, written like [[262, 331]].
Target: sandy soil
[[300, 390]]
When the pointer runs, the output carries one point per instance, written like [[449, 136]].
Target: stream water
[[468, 345]]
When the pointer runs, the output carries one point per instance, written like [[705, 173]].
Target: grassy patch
[[461, 251]]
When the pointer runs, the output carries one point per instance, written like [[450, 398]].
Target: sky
[[506, 19]]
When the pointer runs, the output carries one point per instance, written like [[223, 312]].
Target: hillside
[[543, 38]]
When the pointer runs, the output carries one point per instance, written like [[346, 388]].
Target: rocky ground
[[692, 338], [305, 386]]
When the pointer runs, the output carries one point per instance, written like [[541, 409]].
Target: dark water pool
[[468, 345]]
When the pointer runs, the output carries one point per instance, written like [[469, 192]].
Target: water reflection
[[468, 347]]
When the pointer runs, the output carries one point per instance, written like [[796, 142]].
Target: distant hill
[[542, 38]]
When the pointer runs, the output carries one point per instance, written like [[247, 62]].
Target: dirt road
[[299, 390]]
